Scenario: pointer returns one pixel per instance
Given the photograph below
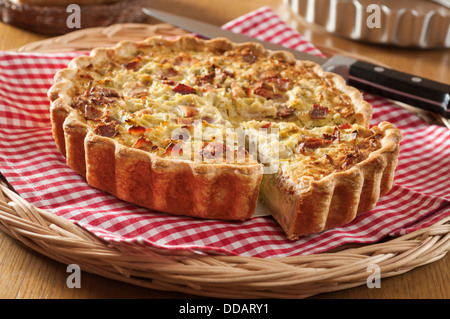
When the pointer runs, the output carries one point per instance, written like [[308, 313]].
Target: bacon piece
[[206, 79], [136, 130], [178, 151], [350, 160], [133, 64], [345, 126], [318, 112], [106, 129], [94, 96], [312, 143], [108, 118], [79, 103], [107, 92], [281, 84], [143, 111], [248, 56], [100, 96], [211, 87], [187, 111], [221, 73], [268, 94], [347, 111], [143, 144], [336, 136], [377, 133], [207, 82], [373, 140], [183, 89], [100, 100], [178, 60], [92, 113], [274, 78], [168, 82], [168, 73], [247, 91], [183, 59], [284, 111], [376, 136], [268, 74], [329, 158], [87, 76], [138, 93], [264, 90], [169, 148]]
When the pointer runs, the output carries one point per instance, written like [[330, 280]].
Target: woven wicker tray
[[208, 276], [52, 19]]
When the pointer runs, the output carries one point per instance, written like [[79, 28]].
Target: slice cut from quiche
[[325, 176], [172, 125]]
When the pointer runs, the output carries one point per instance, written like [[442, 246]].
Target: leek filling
[[233, 107]]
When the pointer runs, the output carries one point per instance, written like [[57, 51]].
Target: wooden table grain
[[25, 274]]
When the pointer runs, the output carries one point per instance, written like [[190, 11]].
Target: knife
[[413, 90]]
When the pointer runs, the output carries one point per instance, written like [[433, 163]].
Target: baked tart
[[205, 128]]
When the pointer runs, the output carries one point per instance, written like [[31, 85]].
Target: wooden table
[[25, 274]]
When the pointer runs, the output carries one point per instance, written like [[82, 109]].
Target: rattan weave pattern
[[217, 276]]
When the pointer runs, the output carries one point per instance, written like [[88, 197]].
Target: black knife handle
[[416, 91]]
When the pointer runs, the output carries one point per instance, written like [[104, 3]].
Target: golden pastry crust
[[119, 154]]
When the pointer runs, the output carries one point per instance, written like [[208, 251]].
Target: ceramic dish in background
[[405, 23]]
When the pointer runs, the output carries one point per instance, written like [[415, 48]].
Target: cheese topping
[[192, 105], [311, 154]]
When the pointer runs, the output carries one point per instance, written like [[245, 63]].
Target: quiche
[[206, 128]]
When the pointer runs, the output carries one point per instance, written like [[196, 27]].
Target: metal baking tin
[[404, 23]]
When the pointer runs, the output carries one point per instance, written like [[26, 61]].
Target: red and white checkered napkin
[[32, 164]]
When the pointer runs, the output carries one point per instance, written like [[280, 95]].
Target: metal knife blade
[[392, 84]]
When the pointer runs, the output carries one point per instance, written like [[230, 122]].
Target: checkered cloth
[[33, 166]]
